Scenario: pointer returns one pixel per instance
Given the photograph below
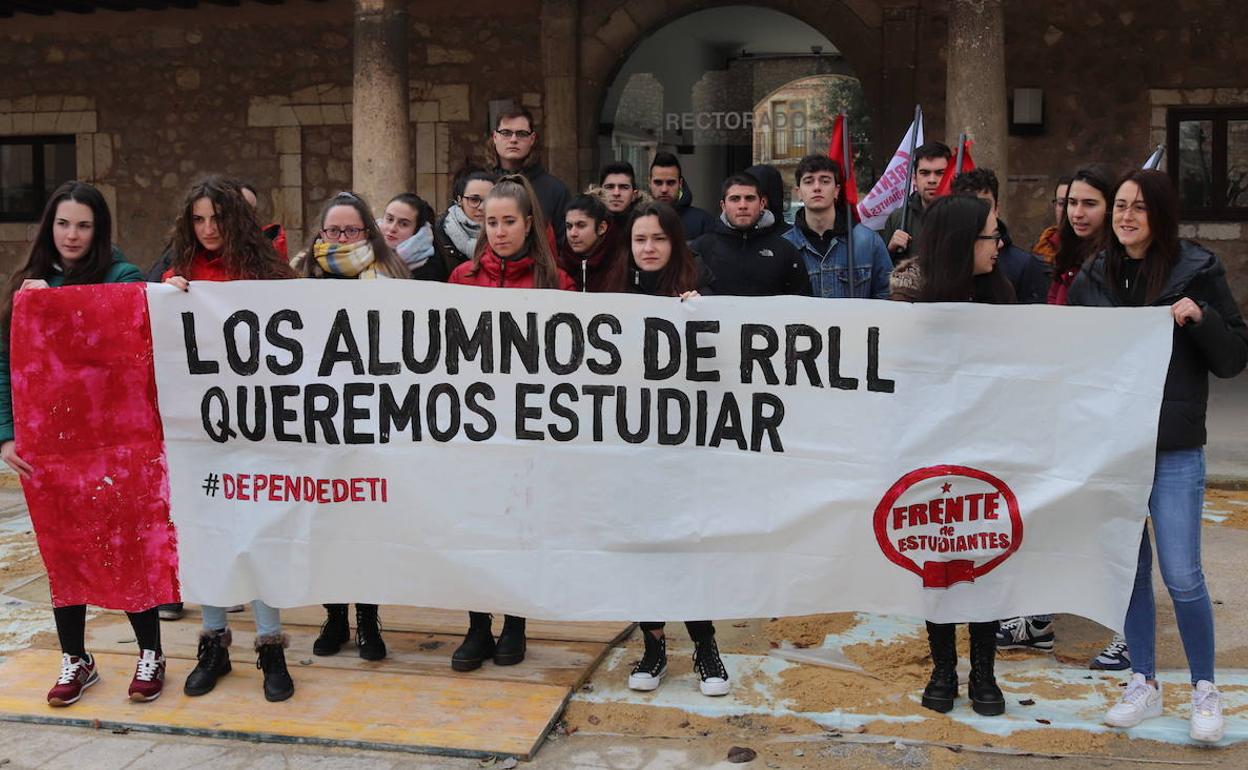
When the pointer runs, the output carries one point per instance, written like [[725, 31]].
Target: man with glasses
[[515, 142], [667, 185], [1029, 275]]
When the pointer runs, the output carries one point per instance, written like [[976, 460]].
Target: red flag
[[847, 165], [946, 182]]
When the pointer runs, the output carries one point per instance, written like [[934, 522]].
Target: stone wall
[[156, 99]]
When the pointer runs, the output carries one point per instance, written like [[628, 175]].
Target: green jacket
[[120, 271], [914, 223]]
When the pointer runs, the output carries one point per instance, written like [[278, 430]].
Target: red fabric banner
[[99, 495]]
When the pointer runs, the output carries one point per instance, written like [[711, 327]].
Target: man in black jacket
[[930, 161], [667, 185], [745, 250], [1028, 274], [515, 147]]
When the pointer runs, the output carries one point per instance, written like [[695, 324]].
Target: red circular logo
[[948, 524]]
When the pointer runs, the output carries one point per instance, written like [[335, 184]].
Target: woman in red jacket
[[217, 238], [514, 254]]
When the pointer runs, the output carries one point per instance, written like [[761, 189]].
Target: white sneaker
[[1141, 701], [1206, 713]]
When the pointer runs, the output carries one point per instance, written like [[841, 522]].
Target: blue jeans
[[268, 619], [1174, 507]]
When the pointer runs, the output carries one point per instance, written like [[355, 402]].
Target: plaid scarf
[[346, 260]]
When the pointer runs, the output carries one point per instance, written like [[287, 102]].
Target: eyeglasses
[[334, 233], [475, 200], [990, 237], [507, 133]]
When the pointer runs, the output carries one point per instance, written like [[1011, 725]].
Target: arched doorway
[[693, 86], [628, 109]]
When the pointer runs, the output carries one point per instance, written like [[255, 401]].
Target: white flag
[[1154, 161], [889, 191]]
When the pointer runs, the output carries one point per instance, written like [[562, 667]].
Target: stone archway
[[611, 29]]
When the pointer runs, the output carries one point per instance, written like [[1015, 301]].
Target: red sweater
[[511, 273], [205, 268]]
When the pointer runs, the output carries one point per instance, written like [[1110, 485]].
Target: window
[[31, 167], [1208, 159]]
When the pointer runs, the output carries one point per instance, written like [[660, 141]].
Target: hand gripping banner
[[587, 457]]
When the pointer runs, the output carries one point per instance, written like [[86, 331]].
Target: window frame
[[1219, 117], [38, 142]]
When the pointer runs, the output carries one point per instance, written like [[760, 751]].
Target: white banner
[[581, 457], [890, 189]]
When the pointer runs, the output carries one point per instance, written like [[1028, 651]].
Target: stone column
[[559, 57], [380, 127], [975, 82]]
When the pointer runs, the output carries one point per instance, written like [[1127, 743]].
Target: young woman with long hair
[[218, 238], [657, 261], [348, 244], [957, 260], [515, 253], [73, 247], [1085, 228], [407, 226], [1145, 263]]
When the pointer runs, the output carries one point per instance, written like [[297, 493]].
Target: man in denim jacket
[[820, 232]]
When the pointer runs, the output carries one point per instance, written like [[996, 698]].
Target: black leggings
[[71, 628], [699, 630]]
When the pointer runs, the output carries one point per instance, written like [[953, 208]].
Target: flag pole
[[957, 166], [914, 138], [849, 217], [1154, 160]]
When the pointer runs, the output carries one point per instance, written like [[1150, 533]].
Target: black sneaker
[[1025, 634], [214, 662], [713, 677], [172, 611], [1115, 656], [648, 674]]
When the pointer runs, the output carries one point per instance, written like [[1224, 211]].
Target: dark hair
[[517, 188], [424, 212], [388, 263], [679, 275], [245, 251], [515, 111], [470, 175], [618, 167], [814, 163], [43, 259], [1162, 202], [743, 179], [976, 181], [1063, 180], [930, 150], [946, 250], [1073, 250], [665, 160], [591, 205]]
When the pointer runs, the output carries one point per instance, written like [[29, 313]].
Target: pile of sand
[[809, 630]]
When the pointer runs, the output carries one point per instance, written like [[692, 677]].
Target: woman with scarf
[[457, 230], [514, 254], [350, 245], [407, 226], [217, 238]]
